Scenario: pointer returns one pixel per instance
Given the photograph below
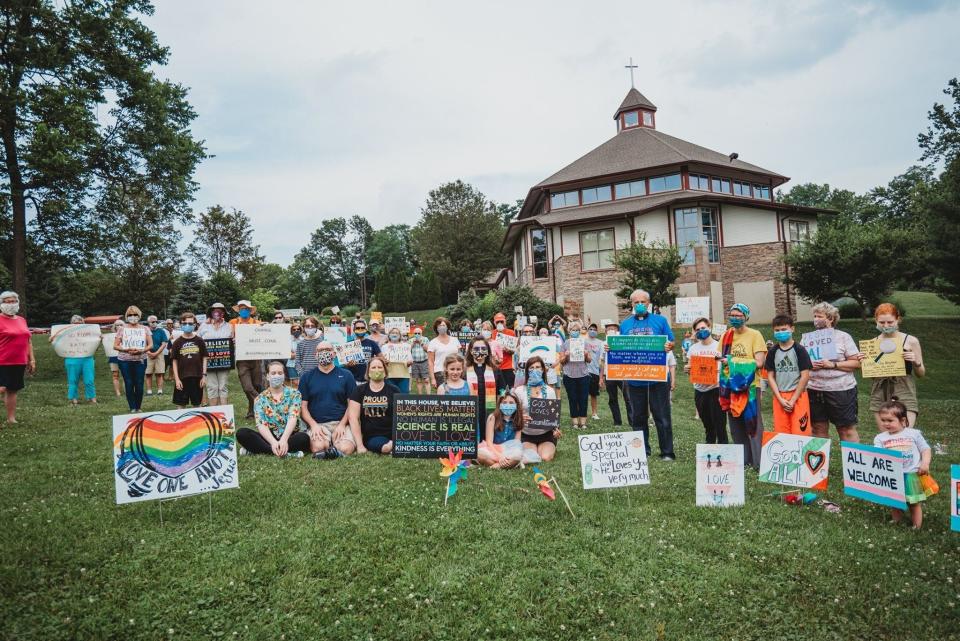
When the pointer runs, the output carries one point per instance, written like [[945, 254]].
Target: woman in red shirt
[[16, 351]]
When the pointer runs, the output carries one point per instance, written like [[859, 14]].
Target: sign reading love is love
[[174, 453], [75, 340], [799, 461]]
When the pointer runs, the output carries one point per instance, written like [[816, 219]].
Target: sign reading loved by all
[[174, 453], [821, 344], [615, 459], [430, 425], [799, 461], [636, 358], [873, 474], [719, 475], [263, 342]]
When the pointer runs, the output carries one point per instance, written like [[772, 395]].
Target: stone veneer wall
[[572, 283], [752, 263]]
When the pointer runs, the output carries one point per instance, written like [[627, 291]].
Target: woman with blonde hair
[[833, 387], [370, 410], [132, 343]]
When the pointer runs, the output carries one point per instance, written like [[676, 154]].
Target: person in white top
[[440, 347], [833, 387], [216, 326], [895, 435], [707, 397]]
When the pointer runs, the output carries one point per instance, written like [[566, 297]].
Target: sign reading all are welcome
[[637, 358]]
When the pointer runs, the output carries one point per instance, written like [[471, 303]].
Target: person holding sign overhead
[[833, 387], [16, 351], [703, 366], [903, 388], [132, 343], [744, 351], [650, 397]]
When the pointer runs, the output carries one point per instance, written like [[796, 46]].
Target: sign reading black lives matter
[[428, 426]]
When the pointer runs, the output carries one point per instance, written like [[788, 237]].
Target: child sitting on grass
[[892, 417], [501, 447]]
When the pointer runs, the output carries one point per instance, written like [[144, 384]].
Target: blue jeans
[[77, 369], [653, 399], [578, 390], [375, 443], [132, 373], [403, 384]]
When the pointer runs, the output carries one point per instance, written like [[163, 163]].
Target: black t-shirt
[[376, 409], [370, 349], [189, 354]]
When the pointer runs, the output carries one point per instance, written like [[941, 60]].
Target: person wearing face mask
[[247, 371], [376, 334], [399, 360], [506, 362], [484, 380], [305, 357], [440, 347], [901, 388], [833, 387], [650, 397], [370, 349], [420, 366], [594, 346], [79, 369], [114, 362], [326, 392], [277, 410], [293, 376], [133, 342], [371, 409], [189, 364], [788, 369], [156, 365], [16, 351], [173, 332], [527, 332], [576, 378], [496, 349], [613, 388], [743, 351], [706, 398], [501, 448], [541, 440], [217, 329]]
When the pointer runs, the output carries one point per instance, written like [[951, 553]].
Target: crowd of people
[[310, 404]]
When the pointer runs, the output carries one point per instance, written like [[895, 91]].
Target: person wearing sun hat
[[247, 371], [743, 352], [216, 327], [506, 363]]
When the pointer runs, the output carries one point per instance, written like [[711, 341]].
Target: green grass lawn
[[363, 548]]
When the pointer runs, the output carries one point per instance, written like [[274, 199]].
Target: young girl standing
[[893, 419], [501, 447], [706, 397]]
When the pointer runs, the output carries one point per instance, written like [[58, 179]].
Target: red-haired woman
[[901, 388]]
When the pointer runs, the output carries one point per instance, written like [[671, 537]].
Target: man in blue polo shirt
[[647, 397], [325, 391]]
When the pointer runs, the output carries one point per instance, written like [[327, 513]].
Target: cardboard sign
[[507, 341], [220, 353], [543, 346], [578, 350], [376, 317], [719, 329], [883, 357], [397, 352], [350, 353], [398, 322], [873, 474], [263, 342], [799, 461], [719, 475], [544, 413], [955, 498], [704, 370], [637, 358], [429, 426], [107, 342], [75, 341], [821, 344], [134, 339], [615, 459], [201, 318], [335, 335], [687, 310], [522, 321], [172, 453]]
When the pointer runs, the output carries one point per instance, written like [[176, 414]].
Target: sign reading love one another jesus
[[174, 453], [636, 358], [799, 461]]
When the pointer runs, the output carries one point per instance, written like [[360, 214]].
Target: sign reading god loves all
[[430, 425], [615, 459], [719, 475], [799, 461], [873, 474], [75, 340], [637, 358], [263, 342], [174, 453], [544, 413]]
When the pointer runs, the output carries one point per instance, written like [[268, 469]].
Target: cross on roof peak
[[631, 67]]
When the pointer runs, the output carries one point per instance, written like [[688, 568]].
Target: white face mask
[[132, 319], [10, 309], [276, 380]]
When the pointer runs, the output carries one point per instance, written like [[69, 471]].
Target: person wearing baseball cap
[[506, 363], [247, 371], [744, 350], [216, 328]]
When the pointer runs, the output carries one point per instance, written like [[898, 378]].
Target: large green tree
[[82, 112], [459, 237], [223, 242], [390, 250], [653, 266]]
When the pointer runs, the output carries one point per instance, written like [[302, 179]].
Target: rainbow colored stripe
[[172, 448]]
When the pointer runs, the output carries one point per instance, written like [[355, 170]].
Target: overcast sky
[[315, 109]]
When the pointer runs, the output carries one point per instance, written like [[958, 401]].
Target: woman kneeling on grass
[[370, 410], [543, 441], [501, 448], [277, 412]]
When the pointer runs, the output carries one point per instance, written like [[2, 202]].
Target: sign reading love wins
[[75, 340], [798, 461], [174, 453]]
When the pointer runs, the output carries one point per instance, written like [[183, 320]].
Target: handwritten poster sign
[[883, 357], [220, 353], [507, 341], [107, 341], [615, 459], [704, 370], [873, 474], [398, 322], [544, 413], [376, 317], [397, 352], [636, 358], [821, 344], [719, 475], [719, 329], [75, 341], [335, 335], [955, 498], [174, 453], [578, 350], [687, 310], [350, 353], [263, 342], [799, 461], [543, 346], [428, 426]]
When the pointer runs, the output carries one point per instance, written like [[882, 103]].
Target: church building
[[717, 209]]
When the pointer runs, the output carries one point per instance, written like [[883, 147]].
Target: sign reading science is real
[[637, 358], [430, 425]]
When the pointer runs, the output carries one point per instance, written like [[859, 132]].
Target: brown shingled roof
[[633, 100]]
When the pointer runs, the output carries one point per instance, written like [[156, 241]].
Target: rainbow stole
[[489, 386]]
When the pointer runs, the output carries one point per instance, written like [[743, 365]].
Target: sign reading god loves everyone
[[263, 342], [174, 453], [75, 340], [637, 358], [873, 474], [799, 461], [719, 475], [615, 459], [430, 425], [544, 413]]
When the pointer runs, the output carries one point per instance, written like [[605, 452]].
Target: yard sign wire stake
[[177, 498], [563, 496]]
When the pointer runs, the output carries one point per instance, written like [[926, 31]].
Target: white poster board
[[507, 341], [107, 341], [162, 455], [397, 352], [349, 353], [615, 459], [798, 461], [719, 475], [335, 335], [398, 322], [873, 474], [577, 351], [543, 346], [293, 313], [719, 329], [75, 341], [821, 345], [262, 342], [687, 310]]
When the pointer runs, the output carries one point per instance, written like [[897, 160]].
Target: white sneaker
[[242, 451], [595, 417], [149, 394]]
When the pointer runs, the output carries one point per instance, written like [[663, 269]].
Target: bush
[[470, 306], [850, 308], [349, 310]]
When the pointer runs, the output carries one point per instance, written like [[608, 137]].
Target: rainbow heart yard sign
[[174, 453], [800, 461]]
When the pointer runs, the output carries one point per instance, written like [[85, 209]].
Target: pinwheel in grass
[[541, 480], [454, 469]]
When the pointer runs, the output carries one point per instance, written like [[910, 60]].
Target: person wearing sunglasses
[[484, 380]]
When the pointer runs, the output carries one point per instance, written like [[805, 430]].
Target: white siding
[[654, 224], [716, 302], [812, 220], [571, 235], [748, 226], [758, 296], [600, 304]]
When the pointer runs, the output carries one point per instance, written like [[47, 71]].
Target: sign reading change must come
[[430, 425], [263, 342]]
